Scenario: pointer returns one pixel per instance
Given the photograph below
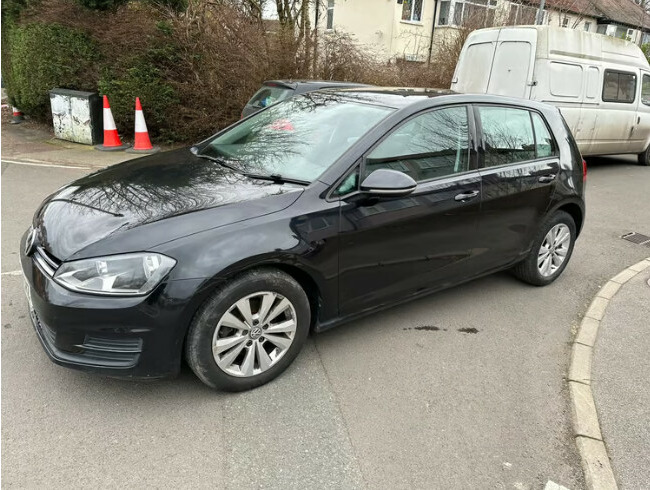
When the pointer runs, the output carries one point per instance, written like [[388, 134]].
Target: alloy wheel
[[254, 334], [554, 250]]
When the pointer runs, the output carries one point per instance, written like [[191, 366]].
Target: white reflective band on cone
[[109, 123], [140, 125]]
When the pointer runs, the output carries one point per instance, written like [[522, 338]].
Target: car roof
[[313, 83], [402, 97]]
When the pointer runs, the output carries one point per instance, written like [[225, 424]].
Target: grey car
[[274, 91]]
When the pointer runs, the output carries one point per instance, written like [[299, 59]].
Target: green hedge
[[140, 76], [42, 57]]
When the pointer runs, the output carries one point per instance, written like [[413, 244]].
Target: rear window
[[619, 87], [508, 135], [269, 95]]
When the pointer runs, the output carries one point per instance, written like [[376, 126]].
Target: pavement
[[480, 401], [621, 381]]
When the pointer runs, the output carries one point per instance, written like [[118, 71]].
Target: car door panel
[[395, 247], [515, 199], [519, 171], [391, 248]]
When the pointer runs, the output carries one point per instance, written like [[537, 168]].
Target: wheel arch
[[575, 211]]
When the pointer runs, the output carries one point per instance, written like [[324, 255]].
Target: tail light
[[584, 170]]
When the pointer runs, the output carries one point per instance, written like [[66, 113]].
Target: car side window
[[619, 87], [645, 90], [507, 135], [431, 145], [544, 144]]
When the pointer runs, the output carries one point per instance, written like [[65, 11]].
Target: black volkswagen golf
[[310, 213]]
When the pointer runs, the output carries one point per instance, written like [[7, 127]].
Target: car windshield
[[298, 138], [269, 95]]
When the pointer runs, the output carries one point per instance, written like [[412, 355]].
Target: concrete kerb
[[586, 428]]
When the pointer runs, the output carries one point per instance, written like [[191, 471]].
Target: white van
[[601, 84]]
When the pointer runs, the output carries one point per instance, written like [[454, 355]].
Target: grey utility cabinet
[[77, 116]]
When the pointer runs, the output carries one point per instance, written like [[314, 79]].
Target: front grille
[[46, 261], [112, 345]]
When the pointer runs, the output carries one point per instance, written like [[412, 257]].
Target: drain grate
[[637, 238]]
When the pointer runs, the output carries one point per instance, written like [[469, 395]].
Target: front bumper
[[131, 337]]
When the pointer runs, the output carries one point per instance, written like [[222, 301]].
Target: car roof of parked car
[[401, 97], [311, 83]]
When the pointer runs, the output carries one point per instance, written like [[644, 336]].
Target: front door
[[391, 248], [520, 167]]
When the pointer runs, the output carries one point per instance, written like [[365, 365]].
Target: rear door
[[642, 124], [514, 61], [474, 65], [519, 166]]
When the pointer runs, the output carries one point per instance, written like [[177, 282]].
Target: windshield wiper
[[220, 160], [276, 178]]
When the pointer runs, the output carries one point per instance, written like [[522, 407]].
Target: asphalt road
[[377, 403]]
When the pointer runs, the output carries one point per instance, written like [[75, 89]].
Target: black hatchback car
[[312, 212], [274, 91]]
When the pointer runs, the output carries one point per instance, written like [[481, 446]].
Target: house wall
[[377, 25]]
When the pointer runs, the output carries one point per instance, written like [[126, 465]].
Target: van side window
[[544, 145], [619, 87], [431, 145], [645, 90], [507, 135]]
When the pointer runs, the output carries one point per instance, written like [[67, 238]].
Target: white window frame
[[521, 8], [454, 4], [329, 14], [411, 21]]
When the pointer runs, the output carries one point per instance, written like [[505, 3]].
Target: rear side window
[[544, 145], [507, 135], [269, 95], [619, 86]]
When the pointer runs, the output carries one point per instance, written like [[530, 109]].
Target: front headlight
[[121, 275]]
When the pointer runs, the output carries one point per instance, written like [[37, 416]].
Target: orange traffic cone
[[17, 116], [142, 142], [112, 141]]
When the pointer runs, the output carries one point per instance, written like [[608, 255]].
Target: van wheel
[[644, 158], [551, 251], [249, 331]]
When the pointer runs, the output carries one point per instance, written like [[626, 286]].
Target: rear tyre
[[644, 158], [551, 251], [249, 331]]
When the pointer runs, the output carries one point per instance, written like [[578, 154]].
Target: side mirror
[[389, 183]]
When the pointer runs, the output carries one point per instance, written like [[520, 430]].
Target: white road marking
[[12, 273], [43, 164]]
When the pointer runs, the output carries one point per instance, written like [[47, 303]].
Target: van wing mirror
[[389, 183]]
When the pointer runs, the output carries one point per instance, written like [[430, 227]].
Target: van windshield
[[299, 138]]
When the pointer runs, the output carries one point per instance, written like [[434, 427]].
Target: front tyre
[[551, 251], [249, 331]]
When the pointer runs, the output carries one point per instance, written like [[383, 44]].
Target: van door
[[514, 61], [472, 73], [618, 113], [641, 131]]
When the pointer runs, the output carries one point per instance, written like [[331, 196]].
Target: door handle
[[545, 179], [466, 196]]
